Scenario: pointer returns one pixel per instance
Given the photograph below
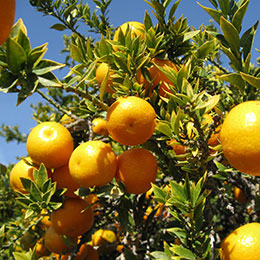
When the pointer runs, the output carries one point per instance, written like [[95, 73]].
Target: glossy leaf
[[173, 9], [49, 80], [164, 128], [75, 53], [251, 80], [183, 252], [58, 27], [231, 35], [224, 6], [215, 14], [46, 66], [239, 15], [234, 79], [205, 49], [235, 62], [160, 256]]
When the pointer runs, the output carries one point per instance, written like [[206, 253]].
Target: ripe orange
[[81, 254], [93, 163], [50, 143], [40, 249], [66, 120], [99, 126], [157, 76], [92, 254], [103, 237], [92, 199], [131, 120], [7, 15], [240, 137], [63, 179], [239, 195], [137, 169], [136, 28], [177, 147], [242, 243], [21, 170], [73, 219], [54, 242], [102, 72]]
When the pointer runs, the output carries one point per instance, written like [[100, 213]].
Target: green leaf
[[239, 15], [189, 35], [247, 40], [58, 27], [159, 194], [231, 35], [75, 53], [7, 81], [215, 14], [182, 252], [46, 66], [178, 191], [40, 176], [224, 6], [205, 49], [173, 9], [24, 42], [253, 81], [36, 55], [235, 62], [234, 79], [164, 128], [208, 105], [49, 80], [128, 254], [178, 232], [214, 2], [148, 23], [16, 56], [159, 255]]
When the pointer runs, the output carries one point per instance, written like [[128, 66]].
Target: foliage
[[195, 188]]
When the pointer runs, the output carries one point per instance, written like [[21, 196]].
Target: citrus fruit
[[74, 218], [7, 15], [63, 179], [50, 143], [28, 240], [136, 28], [157, 76], [131, 120], [240, 137], [92, 199], [40, 249], [103, 237], [242, 243], [99, 126], [54, 241], [66, 120], [93, 163], [81, 254], [239, 195], [23, 169], [92, 254], [102, 72], [178, 148], [137, 169]]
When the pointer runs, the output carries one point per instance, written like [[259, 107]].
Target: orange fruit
[[157, 76], [242, 243], [131, 120], [240, 136], [92, 254], [50, 143], [81, 254], [46, 220], [7, 16], [73, 219], [137, 169], [63, 179], [136, 29], [54, 241], [66, 120], [239, 195], [102, 72], [40, 249], [21, 170], [92, 199], [99, 126], [103, 237], [177, 147], [158, 210], [93, 163]]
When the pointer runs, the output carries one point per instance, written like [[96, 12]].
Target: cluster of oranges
[[90, 164]]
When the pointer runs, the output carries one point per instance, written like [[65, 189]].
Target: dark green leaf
[[24, 42], [36, 55], [49, 80], [239, 15], [178, 191], [213, 13], [159, 194], [183, 252], [235, 62], [205, 49], [224, 6], [59, 27], [214, 2], [40, 176], [234, 79], [7, 81], [231, 35], [147, 21], [247, 40], [178, 232], [129, 254], [173, 9], [16, 56], [253, 81]]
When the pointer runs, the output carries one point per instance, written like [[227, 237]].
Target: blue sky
[[39, 31]]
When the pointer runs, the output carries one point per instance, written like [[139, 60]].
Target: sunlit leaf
[[239, 15], [251, 80]]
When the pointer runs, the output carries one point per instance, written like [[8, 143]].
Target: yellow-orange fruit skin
[[240, 137], [73, 219], [131, 120], [242, 243], [7, 16], [93, 163], [137, 169], [50, 143]]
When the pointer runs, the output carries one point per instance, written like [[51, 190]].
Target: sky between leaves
[[39, 32]]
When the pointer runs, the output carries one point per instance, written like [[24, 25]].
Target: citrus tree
[[133, 156]]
